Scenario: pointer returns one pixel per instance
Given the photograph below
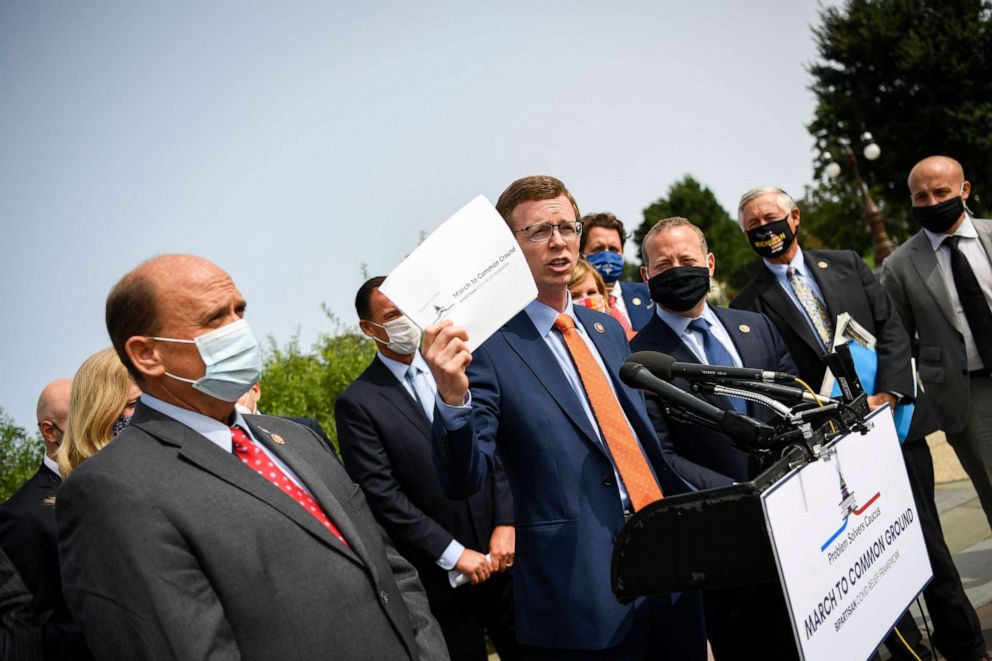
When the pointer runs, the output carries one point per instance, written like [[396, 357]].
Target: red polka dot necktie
[[253, 457], [641, 485]]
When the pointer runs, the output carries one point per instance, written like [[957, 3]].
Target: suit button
[[964, 372], [384, 596], [608, 480]]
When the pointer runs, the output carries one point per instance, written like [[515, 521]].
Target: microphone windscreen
[[659, 364]]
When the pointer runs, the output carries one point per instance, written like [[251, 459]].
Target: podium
[[839, 534], [721, 539]]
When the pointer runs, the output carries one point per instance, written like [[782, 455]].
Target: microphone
[[746, 431], [664, 367], [779, 392]]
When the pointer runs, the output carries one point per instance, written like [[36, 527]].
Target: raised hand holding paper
[[469, 270]]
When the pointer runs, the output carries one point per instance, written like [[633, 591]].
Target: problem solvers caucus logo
[[848, 506]]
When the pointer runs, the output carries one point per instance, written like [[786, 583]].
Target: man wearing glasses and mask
[[579, 450]]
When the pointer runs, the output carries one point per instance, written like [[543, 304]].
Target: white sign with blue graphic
[[848, 543]]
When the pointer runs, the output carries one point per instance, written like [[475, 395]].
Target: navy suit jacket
[[640, 307], [704, 457], [385, 441], [567, 509]]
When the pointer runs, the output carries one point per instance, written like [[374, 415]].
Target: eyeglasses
[[567, 229]]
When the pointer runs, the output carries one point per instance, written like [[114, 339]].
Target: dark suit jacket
[[913, 279], [847, 286], [566, 506], [20, 636], [704, 457], [640, 307], [173, 549], [385, 442], [27, 536]]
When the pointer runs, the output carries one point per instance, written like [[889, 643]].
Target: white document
[[456, 579], [469, 270]]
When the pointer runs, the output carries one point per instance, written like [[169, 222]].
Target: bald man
[[27, 533], [941, 282], [203, 532]]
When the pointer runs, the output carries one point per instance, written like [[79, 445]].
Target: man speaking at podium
[[677, 269], [803, 292], [577, 446]]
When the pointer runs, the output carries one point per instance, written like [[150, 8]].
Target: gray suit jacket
[[173, 549], [913, 279]]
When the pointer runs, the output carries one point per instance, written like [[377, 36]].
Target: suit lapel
[[393, 392], [778, 301], [924, 260], [524, 340], [327, 499], [199, 451]]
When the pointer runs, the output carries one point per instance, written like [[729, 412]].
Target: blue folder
[[866, 365]]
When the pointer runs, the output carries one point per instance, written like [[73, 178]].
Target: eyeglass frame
[[553, 226]]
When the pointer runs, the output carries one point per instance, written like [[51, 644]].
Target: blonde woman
[[100, 407], [588, 289]]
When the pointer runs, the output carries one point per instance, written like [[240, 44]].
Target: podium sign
[[848, 543]]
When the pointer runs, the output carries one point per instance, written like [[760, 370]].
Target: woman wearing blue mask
[[100, 407]]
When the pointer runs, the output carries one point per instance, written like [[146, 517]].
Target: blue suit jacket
[[640, 307], [567, 509], [702, 456]]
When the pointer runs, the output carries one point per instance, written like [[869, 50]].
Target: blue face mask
[[233, 359], [609, 264]]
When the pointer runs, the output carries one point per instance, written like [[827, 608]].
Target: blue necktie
[[421, 392], [716, 354]]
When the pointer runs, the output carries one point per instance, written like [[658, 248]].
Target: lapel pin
[[276, 438], [822, 264], [599, 327], [744, 328], [635, 300]]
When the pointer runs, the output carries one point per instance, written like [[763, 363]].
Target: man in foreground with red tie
[[577, 445], [200, 532]]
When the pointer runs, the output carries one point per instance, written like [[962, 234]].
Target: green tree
[[917, 74], [735, 262], [20, 456], [827, 222], [302, 383]]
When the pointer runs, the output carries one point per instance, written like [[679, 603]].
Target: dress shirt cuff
[[898, 395], [454, 417], [449, 558]]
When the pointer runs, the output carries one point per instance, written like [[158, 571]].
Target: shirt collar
[[543, 316], [798, 262], [51, 464], [215, 431], [399, 369], [679, 324], [967, 231]]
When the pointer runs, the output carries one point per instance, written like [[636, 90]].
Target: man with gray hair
[[803, 293]]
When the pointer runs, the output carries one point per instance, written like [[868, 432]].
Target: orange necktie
[[642, 487]]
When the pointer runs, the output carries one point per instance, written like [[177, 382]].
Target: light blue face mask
[[233, 359]]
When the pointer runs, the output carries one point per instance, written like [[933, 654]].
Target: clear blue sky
[[292, 142]]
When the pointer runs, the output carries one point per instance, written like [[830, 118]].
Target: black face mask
[[772, 239], [939, 217], [680, 287]]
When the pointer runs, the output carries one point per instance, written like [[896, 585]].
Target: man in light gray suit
[[200, 532], [941, 283]]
